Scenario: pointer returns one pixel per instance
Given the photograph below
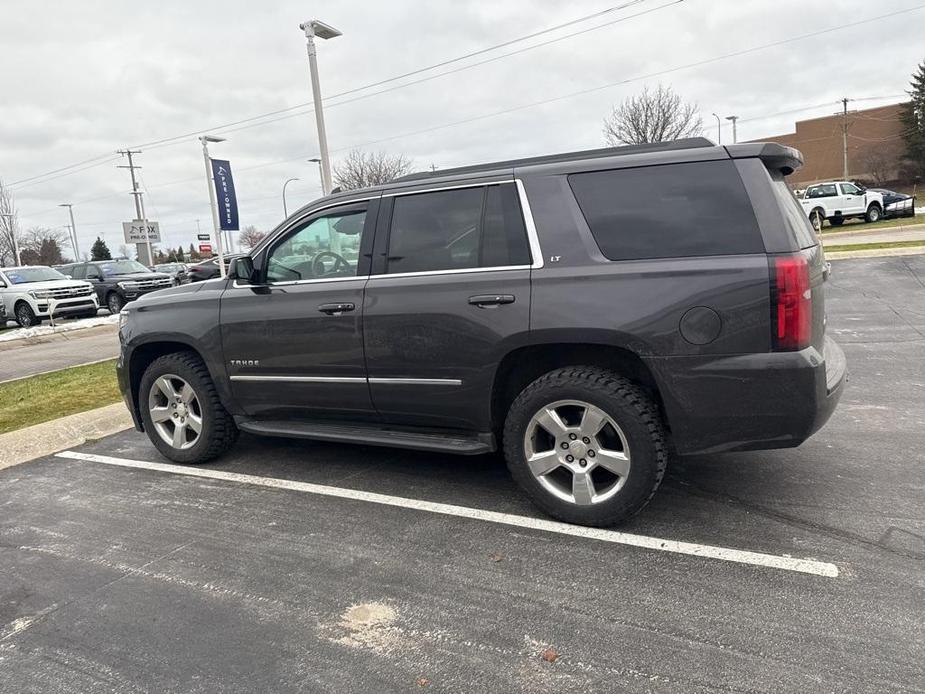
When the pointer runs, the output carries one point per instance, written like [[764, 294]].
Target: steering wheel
[[340, 263]]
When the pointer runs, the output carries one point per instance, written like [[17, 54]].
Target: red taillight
[[791, 303]]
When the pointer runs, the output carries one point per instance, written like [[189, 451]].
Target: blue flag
[[224, 195]]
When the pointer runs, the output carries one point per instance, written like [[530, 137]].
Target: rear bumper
[[749, 402]]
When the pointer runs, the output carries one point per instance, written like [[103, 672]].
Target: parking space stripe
[[771, 561]]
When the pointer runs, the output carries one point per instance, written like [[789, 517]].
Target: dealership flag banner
[[224, 195]]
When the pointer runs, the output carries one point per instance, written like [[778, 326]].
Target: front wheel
[[817, 218], [873, 213], [25, 316], [586, 445], [114, 303], [181, 411]]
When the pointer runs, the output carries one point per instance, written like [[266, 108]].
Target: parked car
[[119, 281], [208, 269], [896, 204], [33, 293], [837, 201], [176, 270], [585, 313]]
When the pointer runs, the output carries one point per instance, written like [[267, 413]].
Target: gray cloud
[[84, 79]]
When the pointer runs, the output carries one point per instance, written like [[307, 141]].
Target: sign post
[[216, 225]]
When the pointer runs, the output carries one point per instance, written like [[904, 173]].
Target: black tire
[[817, 219], [219, 431], [114, 302], [837, 221], [874, 213], [629, 407], [25, 316]]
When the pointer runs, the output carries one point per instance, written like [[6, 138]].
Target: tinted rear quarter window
[[668, 211], [794, 215]]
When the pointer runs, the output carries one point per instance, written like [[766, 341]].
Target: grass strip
[[48, 396]]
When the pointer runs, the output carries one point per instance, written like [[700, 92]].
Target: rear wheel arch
[[521, 366]]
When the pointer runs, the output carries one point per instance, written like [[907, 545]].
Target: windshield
[[24, 275], [122, 267]]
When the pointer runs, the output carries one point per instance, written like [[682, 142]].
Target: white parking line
[[772, 561]]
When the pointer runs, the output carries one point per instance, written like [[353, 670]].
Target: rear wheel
[[25, 316], [586, 445], [181, 412], [873, 213]]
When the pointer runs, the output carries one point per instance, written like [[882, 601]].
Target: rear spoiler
[[784, 159]]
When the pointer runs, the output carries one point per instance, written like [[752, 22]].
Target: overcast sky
[[82, 79]]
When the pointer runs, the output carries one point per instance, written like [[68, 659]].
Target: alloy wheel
[[577, 452], [175, 411]]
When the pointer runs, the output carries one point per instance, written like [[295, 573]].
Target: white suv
[[837, 201], [31, 293]]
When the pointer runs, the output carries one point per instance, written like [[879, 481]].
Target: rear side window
[[668, 211], [794, 215], [457, 229]]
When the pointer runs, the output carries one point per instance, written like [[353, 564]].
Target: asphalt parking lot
[[133, 579]]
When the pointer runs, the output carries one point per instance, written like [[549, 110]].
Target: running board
[[443, 442]]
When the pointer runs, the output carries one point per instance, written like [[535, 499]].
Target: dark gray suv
[[588, 313]]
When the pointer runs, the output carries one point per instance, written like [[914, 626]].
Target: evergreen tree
[[99, 250], [913, 120], [180, 254]]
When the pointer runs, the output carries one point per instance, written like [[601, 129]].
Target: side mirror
[[241, 268]]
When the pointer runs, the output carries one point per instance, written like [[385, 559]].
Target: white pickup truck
[[837, 201]]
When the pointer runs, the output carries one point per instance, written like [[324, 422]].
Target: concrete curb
[[875, 253], [43, 439], [55, 337]]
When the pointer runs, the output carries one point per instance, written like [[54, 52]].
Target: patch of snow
[[45, 329]]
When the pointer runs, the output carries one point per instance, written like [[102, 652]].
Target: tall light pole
[[11, 221], [70, 209], [313, 28], [285, 209], [719, 130], [735, 136], [217, 227], [317, 161]]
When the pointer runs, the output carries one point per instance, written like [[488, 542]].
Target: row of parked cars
[[31, 294]]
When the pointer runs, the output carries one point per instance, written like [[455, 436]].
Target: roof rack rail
[[688, 143]]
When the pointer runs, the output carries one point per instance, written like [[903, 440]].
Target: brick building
[[875, 146]]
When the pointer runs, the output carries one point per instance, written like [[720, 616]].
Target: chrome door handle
[[483, 300], [336, 309]]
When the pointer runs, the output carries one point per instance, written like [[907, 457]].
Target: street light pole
[[313, 28], [11, 220], [70, 209], [217, 227], [285, 210], [735, 137], [719, 130], [320, 175]]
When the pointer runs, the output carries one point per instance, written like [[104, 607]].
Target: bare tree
[[42, 246], [881, 163], [250, 236], [363, 169], [652, 116], [9, 228]]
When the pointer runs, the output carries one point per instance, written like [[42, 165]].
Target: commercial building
[[875, 146]]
